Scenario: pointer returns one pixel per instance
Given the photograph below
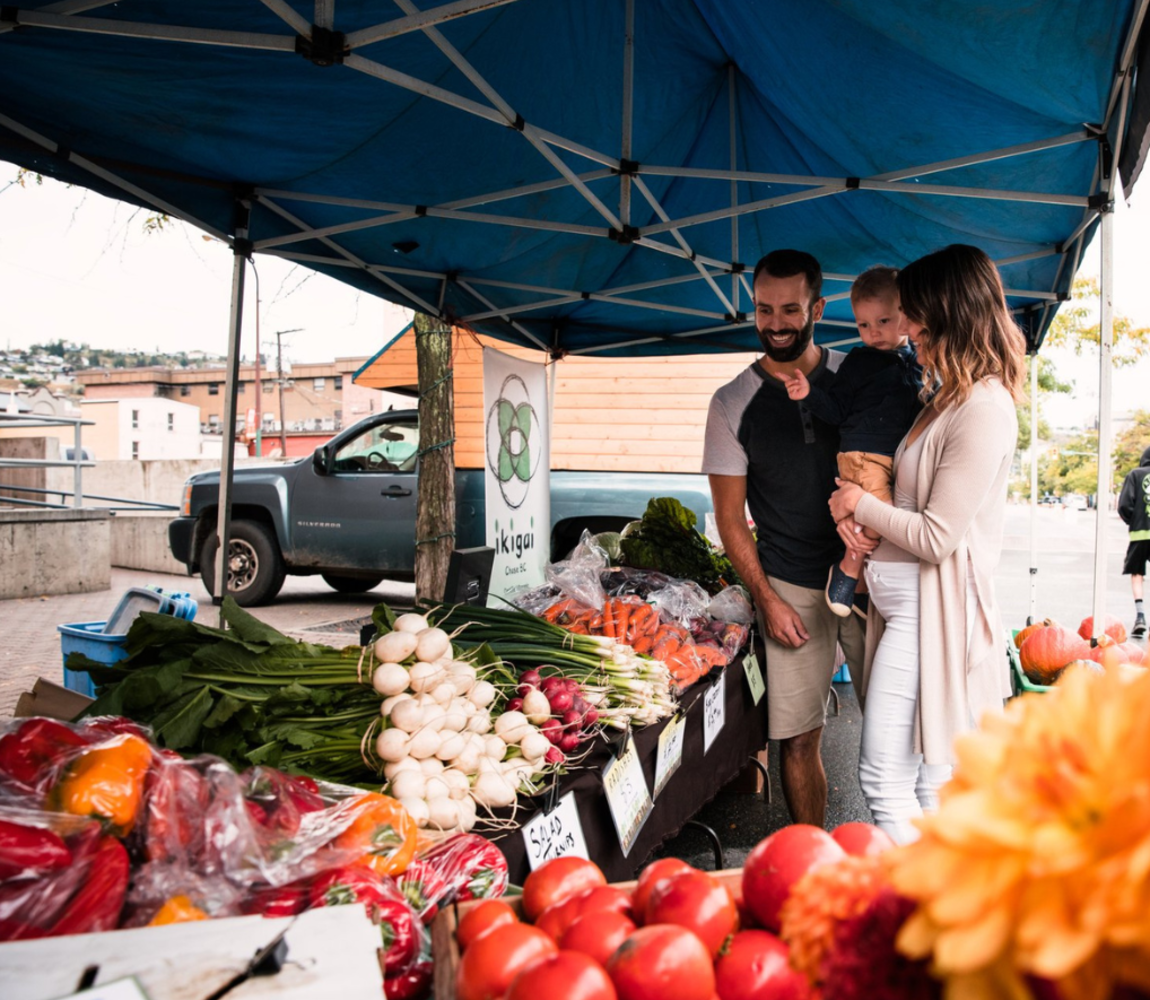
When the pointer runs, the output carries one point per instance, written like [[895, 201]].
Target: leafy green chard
[[666, 540], [250, 694]]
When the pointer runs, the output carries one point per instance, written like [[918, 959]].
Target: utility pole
[[259, 399], [280, 381]]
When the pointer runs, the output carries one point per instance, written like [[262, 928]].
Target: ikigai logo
[[514, 440]]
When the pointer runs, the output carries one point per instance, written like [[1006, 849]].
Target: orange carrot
[[608, 619], [622, 618]]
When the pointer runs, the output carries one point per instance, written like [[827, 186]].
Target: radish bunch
[[559, 706]]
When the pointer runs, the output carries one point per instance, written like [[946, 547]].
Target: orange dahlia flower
[[1036, 866]]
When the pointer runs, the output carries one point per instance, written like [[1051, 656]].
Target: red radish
[[571, 719], [514, 705], [569, 741], [554, 756], [551, 683], [561, 701], [527, 680], [590, 717], [553, 730]]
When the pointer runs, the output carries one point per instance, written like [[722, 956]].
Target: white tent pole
[[240, 248], [628, 112], [732, 114], [1033, 487], [1105, 362]]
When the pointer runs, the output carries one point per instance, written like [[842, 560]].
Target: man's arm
[[729, 495], [1127, 496]]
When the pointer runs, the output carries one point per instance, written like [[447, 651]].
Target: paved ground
[[29, 647]]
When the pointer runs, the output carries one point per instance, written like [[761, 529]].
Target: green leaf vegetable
[[666, 540]]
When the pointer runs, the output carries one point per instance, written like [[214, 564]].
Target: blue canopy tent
[[596, 176]]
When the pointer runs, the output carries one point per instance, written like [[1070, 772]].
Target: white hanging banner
[[518, 479]]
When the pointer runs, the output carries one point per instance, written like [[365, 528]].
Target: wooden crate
[[445, 951]]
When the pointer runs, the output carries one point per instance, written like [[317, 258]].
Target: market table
[[698, 779]]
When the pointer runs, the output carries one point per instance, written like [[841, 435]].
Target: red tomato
[[597, 934], [495, 958], [556, 919], [861, 839], [700, 903], [566, 975], [778, 862], [557, 880], [654, 874], [662, 962], [481, 918], [757, 965]]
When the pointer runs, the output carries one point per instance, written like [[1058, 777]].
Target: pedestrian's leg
[[888, 764], [804, 780], [1136, 581]]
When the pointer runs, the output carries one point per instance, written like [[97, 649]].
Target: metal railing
[[76, 463]]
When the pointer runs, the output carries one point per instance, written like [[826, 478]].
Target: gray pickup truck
[[348, 512]]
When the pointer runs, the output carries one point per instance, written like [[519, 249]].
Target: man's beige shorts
[[799, 680]]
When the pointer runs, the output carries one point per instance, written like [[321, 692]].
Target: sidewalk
[[30, 644]]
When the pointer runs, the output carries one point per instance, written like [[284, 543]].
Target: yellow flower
[[1038, 859]]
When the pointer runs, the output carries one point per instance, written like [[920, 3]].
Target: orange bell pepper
[[383, 832], [106, 782], [177, 910]]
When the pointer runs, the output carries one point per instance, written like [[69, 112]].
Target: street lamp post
[[280, 382]]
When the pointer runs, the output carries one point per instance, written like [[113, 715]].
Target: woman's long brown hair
[[968, 334]]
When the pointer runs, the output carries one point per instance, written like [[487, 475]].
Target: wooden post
[[435, 505]]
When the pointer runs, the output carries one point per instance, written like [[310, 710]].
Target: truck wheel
[[255, 568], [351, 584]]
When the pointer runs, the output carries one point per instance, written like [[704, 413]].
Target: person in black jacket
[[1134, 509], [873, 402]]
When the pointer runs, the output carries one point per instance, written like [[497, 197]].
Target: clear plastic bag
[[683, 601], [465, 866], [577, 576], [732, 604]]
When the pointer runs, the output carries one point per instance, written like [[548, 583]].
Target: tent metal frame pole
[[156, 32], [628, 110], [228, 451], [297, 22], [421, 20], [1105, 371], [64, 7], [1033, 486], [732, 115], [516, 326]]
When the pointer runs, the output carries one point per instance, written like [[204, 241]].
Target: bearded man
[[767, 453]]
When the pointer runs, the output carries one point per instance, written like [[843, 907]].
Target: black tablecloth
[[698, 780]]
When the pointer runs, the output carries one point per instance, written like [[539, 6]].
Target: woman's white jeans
[[897, 784]]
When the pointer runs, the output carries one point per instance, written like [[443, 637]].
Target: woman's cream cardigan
[[961, 505]]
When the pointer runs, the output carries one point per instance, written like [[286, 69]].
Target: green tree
[[1129, 445], [1079, 327]]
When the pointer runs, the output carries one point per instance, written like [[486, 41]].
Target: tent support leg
[[241, 247], [1105, 363], [1033, 487]]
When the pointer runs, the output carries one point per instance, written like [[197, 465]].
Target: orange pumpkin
[[1106, 651], [1044, 653], [1134, 652], [1024, 633], [1114, 628]]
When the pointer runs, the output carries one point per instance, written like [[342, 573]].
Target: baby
[[873, 402]]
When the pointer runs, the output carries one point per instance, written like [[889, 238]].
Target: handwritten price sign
[[714, 711], [555, 834], [754, 676], [627, 796], [670, 752]]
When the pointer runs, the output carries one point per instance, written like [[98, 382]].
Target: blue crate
[[91, 639], [842, 675]]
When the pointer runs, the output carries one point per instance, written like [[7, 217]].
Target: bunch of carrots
[[633, 621]]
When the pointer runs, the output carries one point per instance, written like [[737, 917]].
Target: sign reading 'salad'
[[518, 486]]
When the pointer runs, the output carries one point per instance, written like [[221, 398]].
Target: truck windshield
[[384, 448]]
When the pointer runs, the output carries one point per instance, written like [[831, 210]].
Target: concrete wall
[[54, 552], [157, 481], [37, 446], [140, 541]]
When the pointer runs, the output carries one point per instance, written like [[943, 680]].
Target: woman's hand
[[851, 532], [844, 500]]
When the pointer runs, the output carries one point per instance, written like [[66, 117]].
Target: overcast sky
[[77, 266]]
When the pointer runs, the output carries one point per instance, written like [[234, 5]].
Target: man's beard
[[794, 350]]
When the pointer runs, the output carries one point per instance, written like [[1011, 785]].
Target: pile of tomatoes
[[678, 934]]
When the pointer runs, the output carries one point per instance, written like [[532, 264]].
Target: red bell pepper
[[279, 901], [413, 984], [97, 904], [349, 884], [177, 797], [31, 754], [424, 885], [31, 849], [484, 866], [400, 933]]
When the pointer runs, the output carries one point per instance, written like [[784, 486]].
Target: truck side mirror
[[319, 460]]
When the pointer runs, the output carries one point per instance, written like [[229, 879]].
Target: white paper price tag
[[670, 752], [128, 988], [754, 676], [627, 796], [714, 710], [555, 834]]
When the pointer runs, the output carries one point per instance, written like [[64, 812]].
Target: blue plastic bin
[[90, 638], [842, 675]]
